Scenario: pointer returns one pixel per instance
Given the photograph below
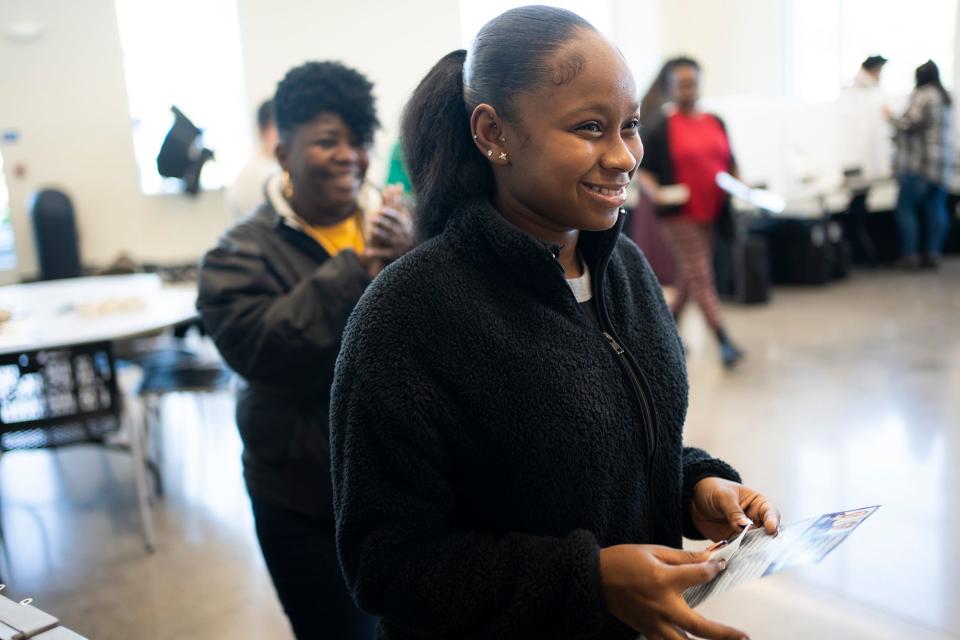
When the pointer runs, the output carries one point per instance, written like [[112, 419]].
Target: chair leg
[[154, 439], [139, 461], [3, 543]]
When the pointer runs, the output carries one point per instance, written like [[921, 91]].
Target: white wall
[[741, 44]]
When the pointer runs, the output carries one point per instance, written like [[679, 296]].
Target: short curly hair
[[316, 87]]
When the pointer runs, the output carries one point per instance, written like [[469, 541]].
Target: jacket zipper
[[638, 389], [637, 381]]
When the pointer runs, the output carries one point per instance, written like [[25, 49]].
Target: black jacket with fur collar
[[487, 439]]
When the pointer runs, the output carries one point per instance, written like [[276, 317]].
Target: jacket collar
[[529, 260], [286, 225]]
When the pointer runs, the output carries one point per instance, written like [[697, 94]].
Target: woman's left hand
[[721, 508], [391, 231]]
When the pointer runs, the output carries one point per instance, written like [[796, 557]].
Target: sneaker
[[909, 263], [730, 355], [930, 261]]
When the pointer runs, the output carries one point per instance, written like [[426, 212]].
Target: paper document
[[760, 198], [754, 554]]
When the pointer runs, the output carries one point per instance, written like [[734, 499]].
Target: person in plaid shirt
[[923, 162]]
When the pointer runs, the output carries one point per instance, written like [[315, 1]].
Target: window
[[474, 15], [830, 38], [186, 54], [8, 250]]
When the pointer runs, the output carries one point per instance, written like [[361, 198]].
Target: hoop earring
[[287, 189]]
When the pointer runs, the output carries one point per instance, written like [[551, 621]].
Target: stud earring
[[475, 137], [502, 139], [489, 153], [503, 156]]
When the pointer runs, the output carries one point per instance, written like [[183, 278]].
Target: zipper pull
[[613, 344]]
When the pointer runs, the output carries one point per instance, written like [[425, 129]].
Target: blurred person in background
[[864, 147], [275, 294], [923, 163], [685, 149], [246, 192], [397, 171], [869, 73]]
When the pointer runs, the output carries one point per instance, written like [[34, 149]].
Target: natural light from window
[[830, 38], [187, 54]]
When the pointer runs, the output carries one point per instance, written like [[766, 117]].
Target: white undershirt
[[580, 287]]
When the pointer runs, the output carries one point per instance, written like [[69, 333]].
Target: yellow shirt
[[335, 238]]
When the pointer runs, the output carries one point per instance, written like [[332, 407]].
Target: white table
[[61, 313], [82, 311]]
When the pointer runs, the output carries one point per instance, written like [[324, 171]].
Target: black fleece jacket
[[487, 441]]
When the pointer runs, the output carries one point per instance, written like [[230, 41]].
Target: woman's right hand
[[672, 195], [643, 586]]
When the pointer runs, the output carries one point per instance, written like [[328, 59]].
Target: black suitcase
[[753, 271], [800, 250], [742, 269]]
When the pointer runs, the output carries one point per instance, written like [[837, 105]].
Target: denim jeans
[[917, 192], [301, 556]]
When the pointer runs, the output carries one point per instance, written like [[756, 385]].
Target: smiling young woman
[[508, 404]]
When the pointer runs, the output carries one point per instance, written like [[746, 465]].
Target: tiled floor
[[850, 396]]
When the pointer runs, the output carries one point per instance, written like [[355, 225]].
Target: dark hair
[[929, 73], [671, 65], [508, 57], [651, 104], [872, 62], [265, 114], [317, 87]]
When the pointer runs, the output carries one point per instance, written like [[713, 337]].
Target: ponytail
[[445, 168]]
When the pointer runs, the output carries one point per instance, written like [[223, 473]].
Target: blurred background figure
[[246, 192], [275, 295], [923, 162], [866, 149], [869, 73], [684, 151], [396, 171]]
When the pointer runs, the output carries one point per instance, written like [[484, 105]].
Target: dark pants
[[917, 192], [301, 556]]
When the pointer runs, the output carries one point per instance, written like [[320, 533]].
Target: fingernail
[[717, 545], [723, 565], [745, 521]]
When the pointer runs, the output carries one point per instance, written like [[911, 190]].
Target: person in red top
[[685, 150]]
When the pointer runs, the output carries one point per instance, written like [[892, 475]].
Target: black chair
[[65, 397], [55, 235]]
